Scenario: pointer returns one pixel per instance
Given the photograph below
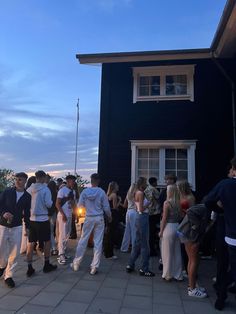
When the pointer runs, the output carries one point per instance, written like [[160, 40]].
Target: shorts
[[39, 231]]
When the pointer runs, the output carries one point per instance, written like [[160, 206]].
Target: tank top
[[131, 204], [173, 214], [145, 201]]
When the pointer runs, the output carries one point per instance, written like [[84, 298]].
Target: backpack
[[194, 224]]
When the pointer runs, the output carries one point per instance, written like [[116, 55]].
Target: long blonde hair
[[173, 195], [112, 188], [184, 187], [131, 191]]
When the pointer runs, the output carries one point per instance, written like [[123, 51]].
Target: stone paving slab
[[111, 291]]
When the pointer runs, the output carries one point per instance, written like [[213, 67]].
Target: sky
[[41, 79]]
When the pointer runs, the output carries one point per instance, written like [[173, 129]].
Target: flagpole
[[76, 137]]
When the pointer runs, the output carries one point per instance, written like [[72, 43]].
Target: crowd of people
[[40, 213]]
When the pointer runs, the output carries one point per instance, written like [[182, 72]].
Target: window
[[163, 83], [159, 158]]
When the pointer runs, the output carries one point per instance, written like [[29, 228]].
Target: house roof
[[223, 46]]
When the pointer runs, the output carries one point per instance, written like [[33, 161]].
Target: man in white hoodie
[[39, 228], [95, 201]]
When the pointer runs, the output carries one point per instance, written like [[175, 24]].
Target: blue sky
[[41, 80]]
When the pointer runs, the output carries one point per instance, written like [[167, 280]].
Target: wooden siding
[[208, 119]]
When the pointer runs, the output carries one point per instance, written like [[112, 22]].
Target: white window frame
[[162, 145], [163, 71]]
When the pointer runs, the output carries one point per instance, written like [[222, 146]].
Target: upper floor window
[[163, 83]]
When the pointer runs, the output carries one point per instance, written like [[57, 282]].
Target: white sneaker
[[197, 293], [74, 266], [61, 259], [93, 271]]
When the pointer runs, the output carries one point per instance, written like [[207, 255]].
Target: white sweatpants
[[93, 224], [171, 252], [64, 229], [10, 242]]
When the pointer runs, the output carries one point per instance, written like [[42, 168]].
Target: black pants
[[222, 256], [111, 232]]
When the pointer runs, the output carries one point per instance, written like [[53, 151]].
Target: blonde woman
[[141, 245], [130, 231], [170, 243], [187, 198]]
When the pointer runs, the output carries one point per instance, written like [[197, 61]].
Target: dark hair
[[70, 177], [40, 174], [31, 180], [233, 163], [53, 188], [95, 177], [141, 182], [171, 176], [152, 180], [59, 180], [21, 175]]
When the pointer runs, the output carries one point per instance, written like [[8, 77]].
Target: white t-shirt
[[18, 195], [67, 208]]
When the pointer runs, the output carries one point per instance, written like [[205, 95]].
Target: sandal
[[146, 273]]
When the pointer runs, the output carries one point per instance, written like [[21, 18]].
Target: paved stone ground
[[112, 290]]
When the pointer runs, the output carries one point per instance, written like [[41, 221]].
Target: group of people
[[167, 223]]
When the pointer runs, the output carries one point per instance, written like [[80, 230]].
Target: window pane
[[170, 164], [182, 153], [154, 164], [142, 163], [144, 91], [182, 164], [144, 80], [155, 85], [143, 173], [153, 153], [154, 173], [170, 153], [170, 172], [143, 153], [176, 85], [182, 175]]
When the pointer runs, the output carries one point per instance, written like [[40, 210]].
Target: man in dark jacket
[[224, 194], [14, 205]]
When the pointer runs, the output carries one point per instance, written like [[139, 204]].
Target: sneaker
[[61, 259], [93, 271], [74, 266], [30, 271], [146, 273], [49, 267], [2, 271], [129, 269], [54, 252], [114, 257], [197, 293], [10, 282]]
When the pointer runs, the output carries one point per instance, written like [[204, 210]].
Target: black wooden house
[[169, 111]]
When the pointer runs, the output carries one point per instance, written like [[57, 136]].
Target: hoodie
[[95, 201], [41, 200]]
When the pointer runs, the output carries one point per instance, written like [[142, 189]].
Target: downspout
[[232, 85]]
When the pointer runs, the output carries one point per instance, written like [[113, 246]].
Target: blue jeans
[[141, 245]]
